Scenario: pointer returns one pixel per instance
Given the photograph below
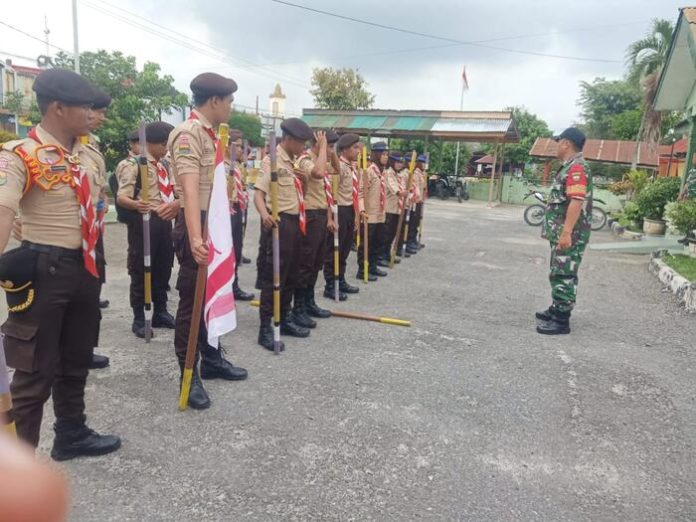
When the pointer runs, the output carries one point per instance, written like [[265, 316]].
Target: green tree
[[625, 126], [530, 127], [13, 102], [602, 100], [340, 89], [250, 125]]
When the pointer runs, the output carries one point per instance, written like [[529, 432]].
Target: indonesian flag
[[220, 313], [465, 83]]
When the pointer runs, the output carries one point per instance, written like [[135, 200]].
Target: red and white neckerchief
[[88, 222], [329, 190], [300, 200], [209, 130], [382, 187], [165, 187], [356, 186], [239, 188]]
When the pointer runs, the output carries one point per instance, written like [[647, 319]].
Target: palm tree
[[646, 57]]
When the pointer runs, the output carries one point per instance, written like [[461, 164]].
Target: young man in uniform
[[416, 205], [567, 227], [163, 207], [52, 280], [316, 165], [192, 149], [395, 191], [373, 204], [348, 148], [239, 202], [291, 227]]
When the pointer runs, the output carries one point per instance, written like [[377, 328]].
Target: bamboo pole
[[276, 246], [362, 317], [334, 210], [366, 254], [147, 259]]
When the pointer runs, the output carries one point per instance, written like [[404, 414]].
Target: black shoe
[[544, 315], [299, 312], [138, 328], [104, 303], [245, 260], [215, 366], [312, 308], [162, 319], [397, 260], [346, 288], [266, 338], [383, 263], [198, 398], [411, 250], [241, 295], [377, 272], [98, 362], [79, 441], [329, 293], [289, 327], [370, 276], [421, 246], [558, 323]]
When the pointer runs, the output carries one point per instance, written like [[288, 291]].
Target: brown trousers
[[290, 238], [346, 234], [50, 345], [312, 249]]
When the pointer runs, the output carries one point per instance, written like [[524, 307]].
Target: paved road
[[468, 415]]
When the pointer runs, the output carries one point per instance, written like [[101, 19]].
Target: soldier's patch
[[183, 146]]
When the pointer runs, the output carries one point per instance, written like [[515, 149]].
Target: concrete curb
[[683, 289], [622, 232]]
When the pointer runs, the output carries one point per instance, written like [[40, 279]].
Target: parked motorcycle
[[446, 186], [534, 213]]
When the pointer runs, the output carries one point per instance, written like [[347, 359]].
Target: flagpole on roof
[[76, 45]]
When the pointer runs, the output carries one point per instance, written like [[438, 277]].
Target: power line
[[443, 38], [42, 40]]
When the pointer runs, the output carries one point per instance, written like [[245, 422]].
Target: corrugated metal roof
[[453, 125], [607, 151]]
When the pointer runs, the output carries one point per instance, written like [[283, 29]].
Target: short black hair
[[200, 99], [43, 104]]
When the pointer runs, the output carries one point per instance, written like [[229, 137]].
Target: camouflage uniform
[[573, 181], [690, 185]]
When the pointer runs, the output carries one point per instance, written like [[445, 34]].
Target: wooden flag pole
[[361, 317], [334, 209], [276, 244]]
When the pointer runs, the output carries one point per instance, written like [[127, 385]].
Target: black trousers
[[346, 233], [237, 220], [312, 248], [161, 261], [390, 226], [375, 236], [290, 239], [414, 223], [50, 344]]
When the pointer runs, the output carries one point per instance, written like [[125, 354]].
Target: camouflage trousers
[[563, 274]]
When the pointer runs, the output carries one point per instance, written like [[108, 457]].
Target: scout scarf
[[165, 187]]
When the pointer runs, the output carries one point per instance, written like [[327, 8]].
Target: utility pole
[[76, 46], [46, 33]]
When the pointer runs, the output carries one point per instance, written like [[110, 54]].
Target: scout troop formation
[[328, 200]]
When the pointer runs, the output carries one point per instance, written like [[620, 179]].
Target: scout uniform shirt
[[345, 183], [288, 201], [192, 148], [417, 185], [47, 199], [315, 191], [158, 190], [394, 184], [372, 199]]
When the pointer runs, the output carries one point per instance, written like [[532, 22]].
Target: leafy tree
[[530, 127], [602, 100], [340, 89], [14, 102], [442, 153], [625, 126], [250, 125]]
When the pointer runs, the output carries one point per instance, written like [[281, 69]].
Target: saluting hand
[[320, 137]]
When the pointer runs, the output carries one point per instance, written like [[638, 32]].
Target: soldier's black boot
[[370, 276], [558, 325], [383, 262], [198, 398], [311, 306], [375, 271], [329, 291], [266, 336], [75, 439], [98, 362], [411, 248], [291, 328], [241, 295], [138, 327], [162, 318], [215, 366], [299, 311], [544, 315], [346, 288]]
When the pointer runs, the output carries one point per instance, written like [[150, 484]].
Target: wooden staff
[[6, 418], [276, 245], [201, 276], [404, 214], [145, 196], [366, 253], [245, 158], [425, 193], [334, 210], [361, 317]]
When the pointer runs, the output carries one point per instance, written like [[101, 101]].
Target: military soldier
[[52, 279], [567, 227], [373, 204], [418, 188], [348, 147], [689, 189], [192, 149], [163, 208], [239, 202], [292, 225], [396, 187], [317, 165]]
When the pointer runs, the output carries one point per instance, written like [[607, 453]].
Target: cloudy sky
[[511, 48]]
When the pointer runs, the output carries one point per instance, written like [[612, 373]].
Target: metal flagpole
[[456, 159], [76, 46]]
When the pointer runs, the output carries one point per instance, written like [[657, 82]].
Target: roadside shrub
[[682, 215], [652, 200]]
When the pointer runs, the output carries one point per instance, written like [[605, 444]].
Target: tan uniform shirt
[[417, 186], [394, 185], [345, 184], [193, 153], [370, 195], [287, 194], [50, 209], [130, 173], [315, 192]]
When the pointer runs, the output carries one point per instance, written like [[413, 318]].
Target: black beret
[[17, 271], [158, 132], [297, 128], [380, 146], [396, 156], [574, 135], [134, 135], [212, 84], [331, 136], [347, 140], [102, 100], [64, 86]]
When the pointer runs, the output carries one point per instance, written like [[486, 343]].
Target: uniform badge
[[183, 146]]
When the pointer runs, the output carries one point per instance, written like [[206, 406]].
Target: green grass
[[684, 265]]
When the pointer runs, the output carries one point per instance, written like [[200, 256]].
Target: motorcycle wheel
[[440, 191], [534, 215], [458, 192], [599, 218]]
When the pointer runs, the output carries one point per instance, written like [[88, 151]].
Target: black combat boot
[[299, 311], [383, 262], [138, 327], [162, 318], [98, 362], [241, 295], [311, 306], [75, 439], [198, 398], [411, 248], [544, 315], [330, 289], [558, 325], [370, 276], [104, 303], [291, 328], [375, 271], [346, 288], [266, 336], [215, 366]]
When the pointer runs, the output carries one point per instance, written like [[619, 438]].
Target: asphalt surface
[[467, 415]]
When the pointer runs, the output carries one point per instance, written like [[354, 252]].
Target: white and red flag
[[465, 81], [219, 312]]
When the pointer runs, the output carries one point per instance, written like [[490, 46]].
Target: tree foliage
[[340, 89], [602, 101], [250, 125], [530, 127]]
